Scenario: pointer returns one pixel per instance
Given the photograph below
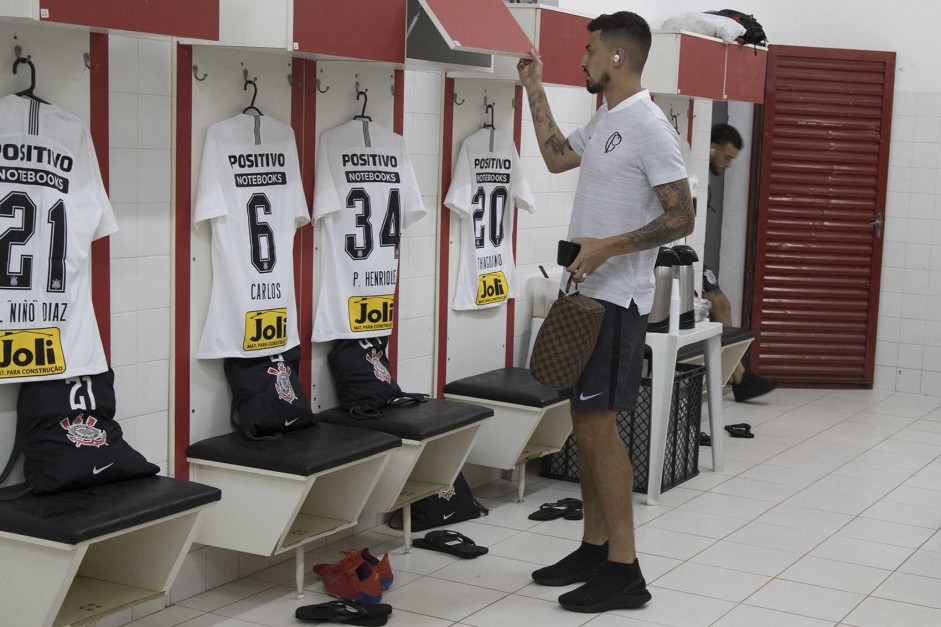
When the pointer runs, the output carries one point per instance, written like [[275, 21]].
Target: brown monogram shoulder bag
[[566, 339]]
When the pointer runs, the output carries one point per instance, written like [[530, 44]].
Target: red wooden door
[[818, 255]]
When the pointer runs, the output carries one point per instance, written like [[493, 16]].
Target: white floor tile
[[831, 501], [495, 489], [671, 498], [670, 543], [750, 559], [705, 481], [490, 571], [837, 575], [730, 506], [885, 532], [924, 563], [170, 617], [214, 620], [750, 616], [534, 548], [419, 561], [911, 589], [536, 495], [643, 514], [872, 472], [517, 610], [862, 552], [913, 449], [697, 523], [907, 405], [559, 528], [611, 620], [883, 613], [656, 566], [778, 537], [401, 618], [486, 535], [678, 609], [273, 608], [914, 496], [799, 477], [759, 490], [710, 581], [805, 518], [546, 593], [511, 515], [813, 601], [442, 599], [841, 484], [893, 459], [226, 595], [929, 517]]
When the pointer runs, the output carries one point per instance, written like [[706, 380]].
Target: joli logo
[[491, 288], [371, 313], [265, 329], [31, 353]]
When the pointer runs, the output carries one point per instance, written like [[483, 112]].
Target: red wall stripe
[[303, 114], [183, 18], [101, 249], [444, 236], [398, 126], [184, 210], [511, 304]]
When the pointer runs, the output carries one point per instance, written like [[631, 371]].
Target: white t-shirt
[[625, 152], [250, 188], [52, 206], [365, 193], [486, 181]]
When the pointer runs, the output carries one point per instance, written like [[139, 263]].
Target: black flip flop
[[452, 543], [741, 430], [705, 439], [570, 509], [346, 611]]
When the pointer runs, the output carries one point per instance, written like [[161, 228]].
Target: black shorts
[[710, 282], [611, 379]]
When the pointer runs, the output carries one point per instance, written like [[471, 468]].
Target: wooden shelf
[[91, 599]]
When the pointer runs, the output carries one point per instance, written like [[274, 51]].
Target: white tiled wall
[[908, 347], [141, 190]]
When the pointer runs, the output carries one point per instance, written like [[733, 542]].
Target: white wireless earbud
[[616, 58]]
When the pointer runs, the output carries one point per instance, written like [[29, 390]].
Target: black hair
[[629, 28], [726, 134]]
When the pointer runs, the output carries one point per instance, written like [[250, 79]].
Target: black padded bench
[[436, 437], [79, 556], [284, 493], [529, 419]]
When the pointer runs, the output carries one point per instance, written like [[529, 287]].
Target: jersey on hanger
[[250, 187], [53, 204], [485, 183], [365, 193]]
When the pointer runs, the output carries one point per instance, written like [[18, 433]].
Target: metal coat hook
[[87, 57], [323, 91], [196, 73], [356, 76], [458, 103], [675, 120]]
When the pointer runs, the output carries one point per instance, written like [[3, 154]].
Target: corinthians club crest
[[282, 382], [378, 368], [84, 432]]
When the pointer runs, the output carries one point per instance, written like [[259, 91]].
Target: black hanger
[[28, 92], [362, 115], [490, 110], [254, 95]]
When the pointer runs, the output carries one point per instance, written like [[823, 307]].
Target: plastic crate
[[681, 460]]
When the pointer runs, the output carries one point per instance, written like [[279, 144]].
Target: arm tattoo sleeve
[[677, 220], [542, 117]]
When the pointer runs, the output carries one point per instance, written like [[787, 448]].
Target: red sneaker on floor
[[360, 583], [351, 559]]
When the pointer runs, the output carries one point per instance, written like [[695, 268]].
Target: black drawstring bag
[[444, 508], [364, 384], [267, 397], [69, 437]]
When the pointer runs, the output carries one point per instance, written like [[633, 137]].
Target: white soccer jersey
[[250, 187], [364, 194], [52, 206], [485, 183]]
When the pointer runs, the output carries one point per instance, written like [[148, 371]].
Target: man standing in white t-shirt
[[632, 196]]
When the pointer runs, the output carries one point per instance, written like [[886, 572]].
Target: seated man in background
[[726, 142]]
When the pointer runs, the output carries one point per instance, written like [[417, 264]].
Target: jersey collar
[[643, 94]]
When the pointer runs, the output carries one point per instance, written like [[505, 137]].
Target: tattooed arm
[[676, 221], [555, 148]]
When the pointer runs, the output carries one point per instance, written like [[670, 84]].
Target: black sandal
[[452, 543], [570, 509], [741, 430], [346, 611], [705, 439]]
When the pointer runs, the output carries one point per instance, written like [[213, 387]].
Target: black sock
[[622, 570]]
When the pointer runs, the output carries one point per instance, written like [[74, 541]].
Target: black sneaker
[[617, 586], [580, 565], [752, 386]]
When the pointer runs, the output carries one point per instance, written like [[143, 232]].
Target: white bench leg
[[407, 526], [299, 570], [521, 487]]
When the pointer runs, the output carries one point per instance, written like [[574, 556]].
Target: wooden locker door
[[818, 255]]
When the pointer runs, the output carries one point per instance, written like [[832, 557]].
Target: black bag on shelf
[[754, 33], [444, 508], [267, 396], [69, 437], [360, 370]]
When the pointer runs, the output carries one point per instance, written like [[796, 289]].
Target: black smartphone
[[567, 253]]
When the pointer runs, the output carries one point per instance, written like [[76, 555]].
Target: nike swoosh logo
[[97, 470], [448, 516], [582, 396], [288, 423]]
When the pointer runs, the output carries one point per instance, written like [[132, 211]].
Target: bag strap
[[407, 398], [365, 414]]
